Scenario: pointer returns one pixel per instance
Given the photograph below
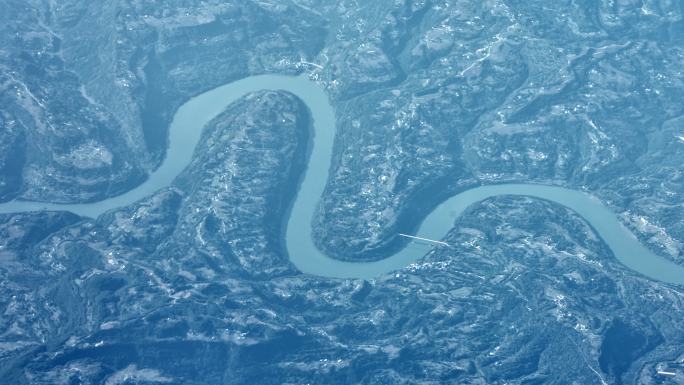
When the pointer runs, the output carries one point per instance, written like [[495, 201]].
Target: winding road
[[191, 117]]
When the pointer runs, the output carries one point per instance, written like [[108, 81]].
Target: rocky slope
[[88, 90], [193, 286]]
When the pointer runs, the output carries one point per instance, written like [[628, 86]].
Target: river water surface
[[191, 117]]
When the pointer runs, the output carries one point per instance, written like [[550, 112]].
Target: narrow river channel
[[192, 116]]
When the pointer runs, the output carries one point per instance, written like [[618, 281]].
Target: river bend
[[191, 117]]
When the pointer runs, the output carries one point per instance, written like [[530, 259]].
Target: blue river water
[[191, 117]]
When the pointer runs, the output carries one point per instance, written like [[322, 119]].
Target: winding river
[[184, 134]]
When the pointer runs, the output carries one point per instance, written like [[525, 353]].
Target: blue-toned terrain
[[197, 282]]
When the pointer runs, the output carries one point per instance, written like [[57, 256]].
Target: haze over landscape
[[216, 192]]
